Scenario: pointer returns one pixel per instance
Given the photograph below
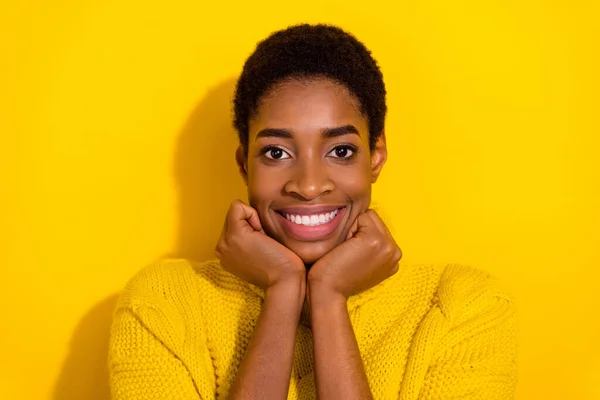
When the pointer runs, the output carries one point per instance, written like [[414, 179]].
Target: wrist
[[287, 292], [321, 295]]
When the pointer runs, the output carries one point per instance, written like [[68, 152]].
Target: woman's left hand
[[369, 256]]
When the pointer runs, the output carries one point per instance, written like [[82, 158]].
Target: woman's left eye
[[344, 151]]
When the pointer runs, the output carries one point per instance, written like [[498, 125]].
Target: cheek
[[264, 186], [355, 184]]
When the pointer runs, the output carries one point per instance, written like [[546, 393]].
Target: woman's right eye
[[275, 153]]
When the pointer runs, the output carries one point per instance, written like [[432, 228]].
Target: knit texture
[[429, 332]]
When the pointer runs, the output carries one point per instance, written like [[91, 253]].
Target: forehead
[[306, 106]]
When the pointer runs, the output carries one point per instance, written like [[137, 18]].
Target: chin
[[310, 253]]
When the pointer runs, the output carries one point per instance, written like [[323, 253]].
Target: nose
[[309, 180]]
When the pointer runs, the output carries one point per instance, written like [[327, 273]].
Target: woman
[[306, 299]]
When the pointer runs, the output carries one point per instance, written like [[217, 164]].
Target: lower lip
[[312, 233]]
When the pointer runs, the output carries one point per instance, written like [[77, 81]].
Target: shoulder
[[180, 283], [173, 297], [465, 292], [163, 279], [459, 291]]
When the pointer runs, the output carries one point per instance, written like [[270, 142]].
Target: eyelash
[[267, 149], [350, 147]]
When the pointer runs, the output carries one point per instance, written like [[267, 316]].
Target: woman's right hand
[[247, 252]]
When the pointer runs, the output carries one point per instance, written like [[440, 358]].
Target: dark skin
[[308, 146]]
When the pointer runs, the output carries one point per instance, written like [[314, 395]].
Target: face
[[309, 168]]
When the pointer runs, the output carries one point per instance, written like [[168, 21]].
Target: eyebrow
[[339, 131], [326, 133]]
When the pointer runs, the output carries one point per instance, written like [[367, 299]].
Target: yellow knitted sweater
[[429, 332]]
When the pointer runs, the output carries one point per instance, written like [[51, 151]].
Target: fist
[[368, 257], [247, 252]]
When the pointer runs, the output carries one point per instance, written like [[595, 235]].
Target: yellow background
[[116, 149]]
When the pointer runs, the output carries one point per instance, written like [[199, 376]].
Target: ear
[[378, 157], [242, 161]]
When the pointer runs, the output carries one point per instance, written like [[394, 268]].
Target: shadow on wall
[[206, 174], [84, 373], [207, 180]]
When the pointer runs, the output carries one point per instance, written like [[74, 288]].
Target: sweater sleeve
[[476, 358], [158, 346], [141, 367]]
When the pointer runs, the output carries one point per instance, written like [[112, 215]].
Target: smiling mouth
[[305, 225], [311, 219]]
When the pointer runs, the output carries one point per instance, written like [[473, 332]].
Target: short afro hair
[[308, 51]]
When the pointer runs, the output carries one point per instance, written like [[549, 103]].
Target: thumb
[[244, 215], [364, 224], [353, 229]]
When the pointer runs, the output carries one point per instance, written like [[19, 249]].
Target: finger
[[242, 212], [364, 224], [378, 222], [382, 227], [226, 222], [353, 229]]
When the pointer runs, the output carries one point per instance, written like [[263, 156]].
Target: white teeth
[[311, 220]]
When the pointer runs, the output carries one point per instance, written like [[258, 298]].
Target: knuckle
[[388, 248], [384, 247], [375, 243], [398, 254]]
